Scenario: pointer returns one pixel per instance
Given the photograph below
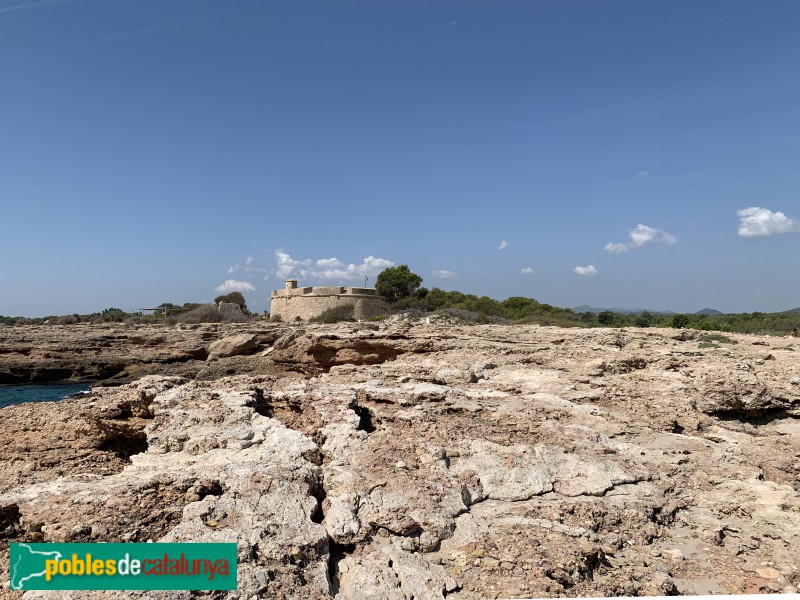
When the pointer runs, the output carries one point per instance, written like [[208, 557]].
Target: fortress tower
[[294, 303]]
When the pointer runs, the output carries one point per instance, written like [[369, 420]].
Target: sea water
[[17, 394]]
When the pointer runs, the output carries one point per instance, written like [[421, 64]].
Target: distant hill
[[585, 308], [710, 312], [621, 311]]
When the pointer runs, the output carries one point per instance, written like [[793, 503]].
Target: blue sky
[[613, 153]]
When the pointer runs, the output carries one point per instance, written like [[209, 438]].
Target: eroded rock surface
[[424, 461], [121, 353]]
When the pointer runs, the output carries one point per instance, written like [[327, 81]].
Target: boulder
[[233, 345]]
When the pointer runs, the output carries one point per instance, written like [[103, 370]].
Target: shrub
[[67, 320], [708, 345], [141, 320], [377, 318], [410, 314], [112, 315], [703, 325], [208, 313], [470, 317], [716, 337], [342, 312]]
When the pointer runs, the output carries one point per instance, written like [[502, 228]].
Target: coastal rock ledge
[[417, 460]]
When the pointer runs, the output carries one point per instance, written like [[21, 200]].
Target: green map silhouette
[[27, 564]]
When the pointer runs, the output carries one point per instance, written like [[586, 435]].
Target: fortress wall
[[325, 291], [364, 291], [292, 292], [322, 290], [288, 308]]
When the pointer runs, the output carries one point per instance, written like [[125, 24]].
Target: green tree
[[645, 319], [435, 298], [233, 298], [606, 317], [679, 321], [703, 324], [396, 283]]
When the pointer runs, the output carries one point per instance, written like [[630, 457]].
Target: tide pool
[[18, 394]]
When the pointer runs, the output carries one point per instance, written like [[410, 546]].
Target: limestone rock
[[233, 345], [741, 390], [198, 482], [392, 574], [118, 353], [401, 458], [504, 473]]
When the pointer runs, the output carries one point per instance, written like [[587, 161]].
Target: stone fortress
[[304, 303]]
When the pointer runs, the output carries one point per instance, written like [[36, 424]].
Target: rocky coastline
[[409, 459]]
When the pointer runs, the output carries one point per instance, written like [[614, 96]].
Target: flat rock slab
[[233, 345]]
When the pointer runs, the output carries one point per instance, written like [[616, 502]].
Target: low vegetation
[[405, 295], [512, 310], [166, 312], [109, 315], [710, 338], [337, 314], [208, 313]]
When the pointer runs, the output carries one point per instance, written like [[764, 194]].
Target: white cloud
[[644, 173], [233, 285], [528, 271], [287, 266], [616, 248], [762, 222], [249, 267], [28, 5], [327, 268], [444, 274], [640, 236], [503, 245], [329, 263], [587, 271]]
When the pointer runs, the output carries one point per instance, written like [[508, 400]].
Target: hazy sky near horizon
[[635, 154]]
